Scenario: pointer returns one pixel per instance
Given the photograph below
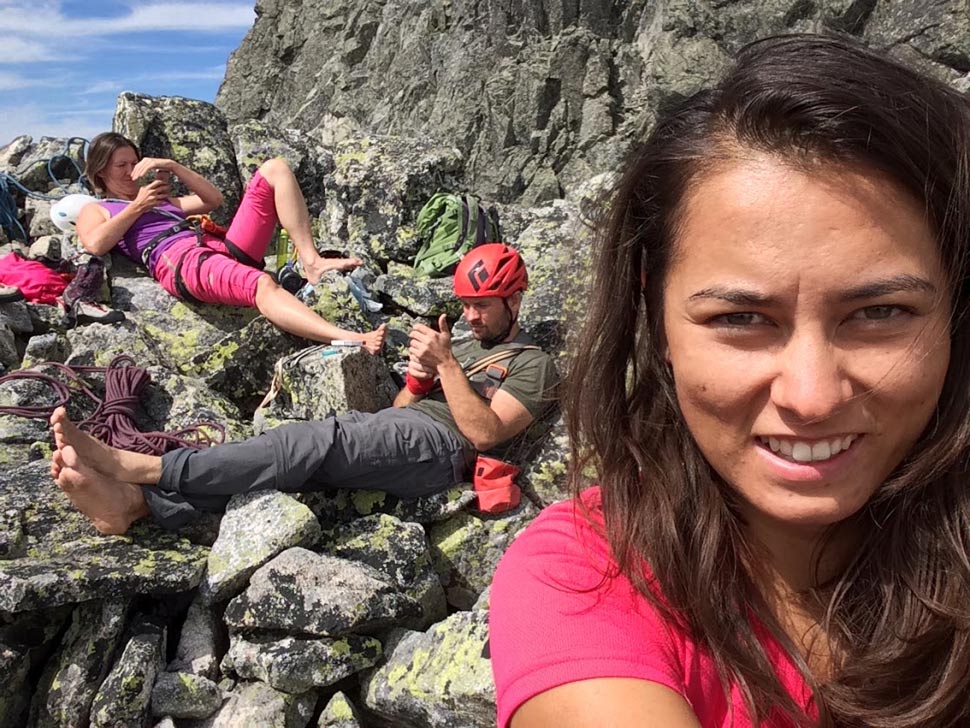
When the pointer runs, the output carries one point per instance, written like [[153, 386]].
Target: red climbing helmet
[[493, 269]]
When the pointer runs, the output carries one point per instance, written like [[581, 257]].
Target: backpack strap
[[495, 372]]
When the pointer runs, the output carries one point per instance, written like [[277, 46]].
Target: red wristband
[[418, 386]]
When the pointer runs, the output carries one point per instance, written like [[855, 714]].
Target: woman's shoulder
[[561, 612]]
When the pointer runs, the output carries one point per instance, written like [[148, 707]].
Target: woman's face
[[806, 319], [117, 175]]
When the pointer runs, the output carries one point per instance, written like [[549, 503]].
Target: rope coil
[[113, 420]]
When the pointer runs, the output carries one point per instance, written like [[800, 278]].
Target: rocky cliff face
[[536, 94]]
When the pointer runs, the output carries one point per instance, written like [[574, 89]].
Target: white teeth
[[821, 451], [806, 452]]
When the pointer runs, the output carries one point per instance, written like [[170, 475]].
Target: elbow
[[94, 247], [216, 200], [483, 442]]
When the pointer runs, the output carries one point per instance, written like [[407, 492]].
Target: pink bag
[[35, 280]]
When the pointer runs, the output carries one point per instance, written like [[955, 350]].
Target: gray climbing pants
[[398, 450]]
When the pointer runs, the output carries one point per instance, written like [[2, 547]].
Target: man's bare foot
[[374, 340], [314, 269], [111, 505], [111, 462]]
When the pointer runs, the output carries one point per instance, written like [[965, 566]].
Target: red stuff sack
[[494, 484], [35, 280]]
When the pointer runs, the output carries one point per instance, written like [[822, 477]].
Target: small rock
[[257, 704], [184, 695], [339, 713], [306, 593], [124, 696], [256, 527], [197, 651], [294, 665]]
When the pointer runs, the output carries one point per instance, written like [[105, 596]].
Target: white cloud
[[47, 20], [102, 87], [215, 73], [30, 118], [18, 50], [12, 81]]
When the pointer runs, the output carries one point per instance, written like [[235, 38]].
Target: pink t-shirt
[[555, 619]]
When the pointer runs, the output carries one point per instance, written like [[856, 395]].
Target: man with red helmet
[[453, 407]]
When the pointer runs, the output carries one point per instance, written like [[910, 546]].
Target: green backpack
[[450, 225]]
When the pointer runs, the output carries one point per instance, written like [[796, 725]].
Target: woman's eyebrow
[[737, 296], [887, 286], [870, 289]]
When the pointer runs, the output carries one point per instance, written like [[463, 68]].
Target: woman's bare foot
[[374, 340], [314, 269], [111, 505]]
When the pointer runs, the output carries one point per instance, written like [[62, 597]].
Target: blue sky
[[64, 62]]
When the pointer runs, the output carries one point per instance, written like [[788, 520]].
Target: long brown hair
[[900, 611], [99, 154]]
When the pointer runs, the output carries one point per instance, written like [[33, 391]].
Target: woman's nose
[[810, 381]]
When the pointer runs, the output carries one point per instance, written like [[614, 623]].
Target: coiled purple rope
[[113, 420]]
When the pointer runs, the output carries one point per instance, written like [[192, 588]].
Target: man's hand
[[429, 349]]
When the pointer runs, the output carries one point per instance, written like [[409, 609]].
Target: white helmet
[[64, 212]]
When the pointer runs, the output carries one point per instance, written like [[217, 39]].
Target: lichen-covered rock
[[255, 528], [51, 346], [13, 152], [378, 185], [255, 142], [31, 170], [240, 365], [257, 704], [339, 712], [437, 679], [399, 550], [184, 695], [9, 356], [16, 316], [26, 640], [418, 295], [99, 344], [344, 505], [191, 132], [73, 675], [39, 212], [301, 592], [67, 562], [294, 664], [125, 695], [467, 548], [198, 647], [543, 476], [321, 381], [13, 540]]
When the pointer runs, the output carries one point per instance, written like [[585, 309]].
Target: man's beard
[[489, 338]]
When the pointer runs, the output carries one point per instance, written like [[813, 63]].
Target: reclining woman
[[137, 217], [772, 386]]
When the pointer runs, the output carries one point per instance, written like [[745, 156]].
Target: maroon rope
[[113, 420]]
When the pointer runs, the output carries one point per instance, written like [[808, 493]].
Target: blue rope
[[8, 203]]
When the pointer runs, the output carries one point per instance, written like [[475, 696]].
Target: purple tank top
[[145, 228]]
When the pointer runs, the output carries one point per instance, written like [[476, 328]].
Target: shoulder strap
[[495, 357]]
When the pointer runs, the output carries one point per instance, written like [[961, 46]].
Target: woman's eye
[[877, 313], [741, 319]]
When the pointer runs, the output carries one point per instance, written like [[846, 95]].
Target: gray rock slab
[[197, 652], [257, 704], [315, 383], [124, 697], [294, 664], [399, 550], [255, 528], [339, 712], [301, 592], [26, 641], [345, 505], [184, 695], [437, 679], [466, 549], [74, 674], [66, 561]]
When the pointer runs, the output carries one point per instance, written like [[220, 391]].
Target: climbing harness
[[113, 420]]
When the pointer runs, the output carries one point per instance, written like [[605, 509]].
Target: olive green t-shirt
[[531, 379]]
